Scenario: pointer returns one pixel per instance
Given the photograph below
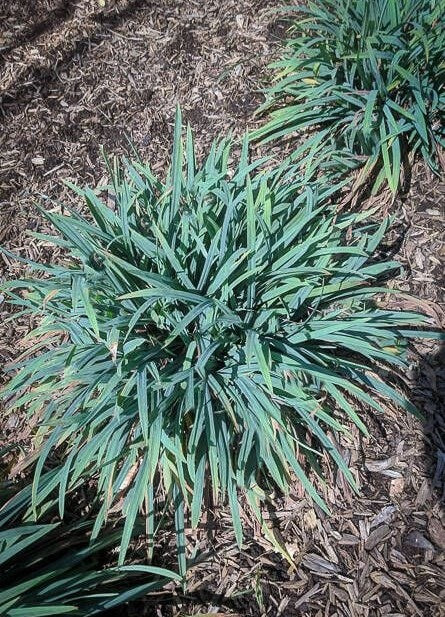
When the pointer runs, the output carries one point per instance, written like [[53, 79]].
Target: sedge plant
[[208, 330], [52, 568], [368, 76]]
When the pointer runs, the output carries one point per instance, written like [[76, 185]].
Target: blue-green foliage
[[370, 75], [209, 330]]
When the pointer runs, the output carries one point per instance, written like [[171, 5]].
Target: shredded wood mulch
[[78, 75]]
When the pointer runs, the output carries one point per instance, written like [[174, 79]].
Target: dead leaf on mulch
[[437, 533]]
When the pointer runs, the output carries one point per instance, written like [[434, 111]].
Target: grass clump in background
[[369, 76]]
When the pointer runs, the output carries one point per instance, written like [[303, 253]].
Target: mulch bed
[[79, 75]]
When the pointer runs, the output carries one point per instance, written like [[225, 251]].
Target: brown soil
[[75, 76]]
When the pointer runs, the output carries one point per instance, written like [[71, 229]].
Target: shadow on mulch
[[429, 395], [51, 20], [40, 79], [428, 392]]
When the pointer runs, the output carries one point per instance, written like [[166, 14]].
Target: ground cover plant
[[52, 568], [369, 75], [203, 331], [65, 90]]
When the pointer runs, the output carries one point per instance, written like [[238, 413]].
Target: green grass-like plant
[[54, 569], [370, 76], [212, 329]]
